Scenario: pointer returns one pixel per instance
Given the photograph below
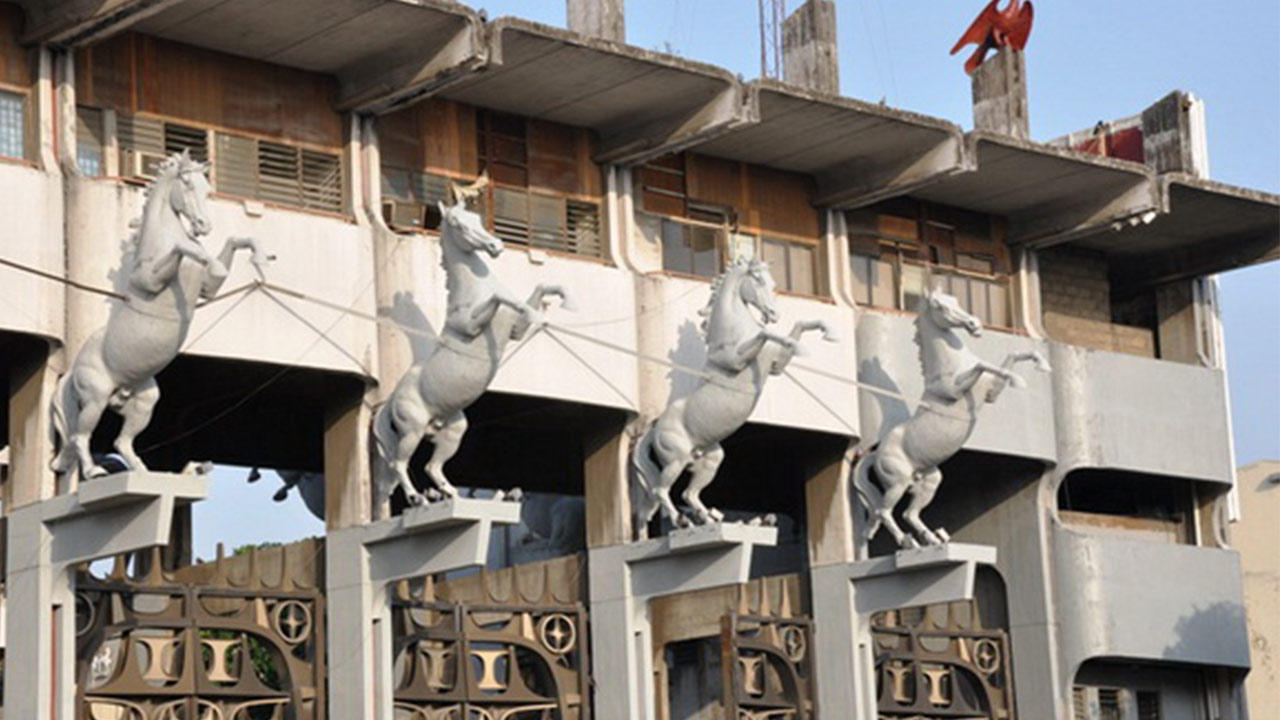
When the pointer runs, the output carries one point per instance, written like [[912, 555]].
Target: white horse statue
[[170, 270], [482, 316], [907, 457], [688, 432]]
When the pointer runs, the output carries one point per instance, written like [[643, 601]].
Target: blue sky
[[1088, 60]]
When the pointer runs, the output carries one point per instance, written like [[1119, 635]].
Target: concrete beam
[[372, 87], [78, 22], [858, 185], [736, 106], [1138, 202]]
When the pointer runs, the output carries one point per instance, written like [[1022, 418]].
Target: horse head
[[756, 289], [462, 226], [944, 311], [187, 189]]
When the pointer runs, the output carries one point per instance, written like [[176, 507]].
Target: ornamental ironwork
[[771, 675], [490, 662], [939, 662], [201, 646]]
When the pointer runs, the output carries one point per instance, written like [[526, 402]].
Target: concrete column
[[809, 57], [1000, 95], [31, 389], [603, 19], [1174, 137]]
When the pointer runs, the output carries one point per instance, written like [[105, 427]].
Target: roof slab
[[858, 151], [643, 104]]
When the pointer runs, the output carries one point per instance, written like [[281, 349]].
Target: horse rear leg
[[702, 472], [136, 411], [398, 435], [895, 475], [80, 431], [447, 441], [925, 488]]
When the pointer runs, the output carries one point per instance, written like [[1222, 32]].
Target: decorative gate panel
[[772, 677], [522, 659], [155, 648], [939, 662]]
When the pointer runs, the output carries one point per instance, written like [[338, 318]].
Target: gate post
[[108, 516], [364, 561]]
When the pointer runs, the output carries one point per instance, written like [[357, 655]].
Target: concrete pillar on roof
[[809, 47], [603, 19], [1000, 95]]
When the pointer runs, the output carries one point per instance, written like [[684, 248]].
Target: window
[[90, 141], [278, 173], [145, 141], [794, 264], [897, 248], [13, 126], [409, 198], [1113, 703], [692, 249]]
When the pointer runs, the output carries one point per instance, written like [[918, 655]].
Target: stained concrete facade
[[1076, 592], [1254, 536]]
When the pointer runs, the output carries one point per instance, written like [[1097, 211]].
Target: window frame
[[28, 124]]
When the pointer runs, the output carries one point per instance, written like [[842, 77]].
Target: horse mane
[[739, 265]]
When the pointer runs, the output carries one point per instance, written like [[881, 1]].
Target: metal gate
[[769, 675], [152, 647]]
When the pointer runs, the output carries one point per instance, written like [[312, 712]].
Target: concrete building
[[1254, 536], [633, 178]]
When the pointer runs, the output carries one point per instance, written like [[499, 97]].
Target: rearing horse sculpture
[[909, 454], [117, 366], [689, 431], [482, 317]]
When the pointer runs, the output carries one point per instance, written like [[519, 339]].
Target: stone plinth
[[624, 578], [108, 516], [363, 562], [846, 595]]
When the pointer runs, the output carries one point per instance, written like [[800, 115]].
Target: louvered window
[[89, 141], [278, 173], [13, 125], [544, 220], [409, 198], [144, 141]]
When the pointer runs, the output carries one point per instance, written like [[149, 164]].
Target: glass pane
[[802, 271], [864, 269], [396, 184], [998, 296], [12, 125], [706, 252], [676, 256], [913, 280], [89, 141], [882, 288], [742, 246], [775, 254]]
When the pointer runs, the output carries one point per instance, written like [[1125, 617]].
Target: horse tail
[[384, 438], [63, 405], [646, 471], [869, 496]]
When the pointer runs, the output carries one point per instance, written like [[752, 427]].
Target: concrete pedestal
[[108, 516], [846, 595], [624, 578], [361, 564]]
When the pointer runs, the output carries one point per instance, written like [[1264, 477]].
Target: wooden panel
[[16, 66], [553, 161], [715, 181], [137, 73], [781, 202]]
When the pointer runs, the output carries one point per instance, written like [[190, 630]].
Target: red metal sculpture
[[995, 28]]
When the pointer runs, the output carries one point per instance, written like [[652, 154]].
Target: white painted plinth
[[846, 595], [625, 578], [120, 513], [361, 564]]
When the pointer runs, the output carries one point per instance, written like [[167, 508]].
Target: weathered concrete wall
[[604, 19], [809, 57], [1119, 598], [1256, 537], [1020, 424], [1000, 95], [31, 205], [1150, 416]]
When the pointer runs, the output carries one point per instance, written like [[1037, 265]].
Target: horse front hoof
[[95, 472], [714, 515], [909, 543], [417, 499], [943, 537]]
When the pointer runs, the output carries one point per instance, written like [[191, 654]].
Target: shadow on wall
[[892, 411], [405, 311], [690, 351], [1216, 632]]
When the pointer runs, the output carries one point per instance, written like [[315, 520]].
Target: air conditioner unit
[[404, 214], [138, 164]]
